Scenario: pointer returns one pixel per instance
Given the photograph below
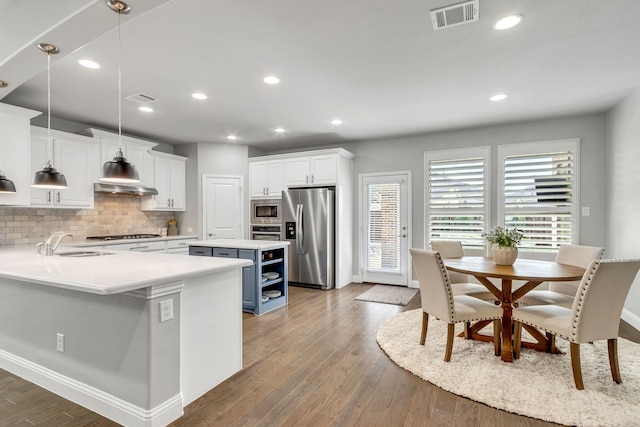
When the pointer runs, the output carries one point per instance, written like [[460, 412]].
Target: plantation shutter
[[538, 193], [457, 195]]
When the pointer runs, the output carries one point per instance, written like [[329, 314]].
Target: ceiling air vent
[[141, 98], [457, 14]]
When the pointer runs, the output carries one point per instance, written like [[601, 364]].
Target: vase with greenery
[[504, 244]]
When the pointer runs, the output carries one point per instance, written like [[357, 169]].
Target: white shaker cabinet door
[[162, 183], [78, 161], [324, 170], [296, 172], [177, 184]]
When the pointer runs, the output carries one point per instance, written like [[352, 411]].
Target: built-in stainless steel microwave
[[266, 211]]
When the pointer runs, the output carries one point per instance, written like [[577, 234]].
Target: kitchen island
[[132, 336], [265, 283]]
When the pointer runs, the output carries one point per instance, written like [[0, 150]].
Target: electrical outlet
[[586, 211], [60, 342], [189, 230], [166, 310]]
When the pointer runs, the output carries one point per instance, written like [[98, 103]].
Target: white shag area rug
[[388, 294], [538, 385]]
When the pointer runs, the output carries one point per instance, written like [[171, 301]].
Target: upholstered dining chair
[[438, 300], [460, 282], [595, 314], [563, 293]]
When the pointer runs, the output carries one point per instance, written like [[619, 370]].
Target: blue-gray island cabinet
[[265, 283]]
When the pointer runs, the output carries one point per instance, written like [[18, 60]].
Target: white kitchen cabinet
[[15, 133], [320, 171], [169, 180], [266, 179], [136, 151], [74, 156]]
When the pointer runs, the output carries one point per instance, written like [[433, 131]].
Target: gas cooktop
[[123, 237]]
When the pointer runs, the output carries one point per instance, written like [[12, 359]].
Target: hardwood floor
[[313, 363]]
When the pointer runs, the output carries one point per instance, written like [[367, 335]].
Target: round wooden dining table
[[533, 272]]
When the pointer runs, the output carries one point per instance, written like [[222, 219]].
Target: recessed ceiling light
[[508, 22], [280, 130], [146, 109], [336, 122], [271, 80], [199, 95], [232, 137], [498, 97], [89, 64]]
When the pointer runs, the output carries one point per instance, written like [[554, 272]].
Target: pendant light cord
[[49, 96], [119, 86]]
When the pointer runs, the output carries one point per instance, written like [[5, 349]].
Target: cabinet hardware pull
[[49, 196], [312, 179], [306, 179], [58, 196]]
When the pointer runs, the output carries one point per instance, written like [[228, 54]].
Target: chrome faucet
[[49, 246]]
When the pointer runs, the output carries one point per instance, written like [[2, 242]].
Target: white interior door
[[385, 227], [223, 209]]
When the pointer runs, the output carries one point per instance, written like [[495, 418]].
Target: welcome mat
[[388, 294]]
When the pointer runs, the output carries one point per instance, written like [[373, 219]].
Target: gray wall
[[407, 153], [211, 159], [623, 192]]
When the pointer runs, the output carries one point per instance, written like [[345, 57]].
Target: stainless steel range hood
[[135, 190]]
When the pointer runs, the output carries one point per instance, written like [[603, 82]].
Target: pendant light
[[6, 185], [119, 170], [49, 177]]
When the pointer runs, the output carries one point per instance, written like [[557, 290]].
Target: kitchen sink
[[84, 254]]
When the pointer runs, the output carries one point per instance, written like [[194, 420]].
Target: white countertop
[[107, 274], [241, 244], [89, 243]]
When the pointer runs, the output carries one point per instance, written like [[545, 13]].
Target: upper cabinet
[[266, 179], [15, 133], [269, 175], [169, 179], [76, 157], [136, 151], [317, 170]]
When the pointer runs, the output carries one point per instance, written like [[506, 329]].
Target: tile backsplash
[[112, 214]]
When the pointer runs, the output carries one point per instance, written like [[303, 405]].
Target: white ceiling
[[376, 64]]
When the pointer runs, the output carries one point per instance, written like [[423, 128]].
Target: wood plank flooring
[[313, 363]]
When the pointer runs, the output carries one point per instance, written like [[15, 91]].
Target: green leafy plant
[[504, 236]]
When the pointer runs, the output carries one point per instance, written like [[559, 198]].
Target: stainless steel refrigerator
[[308, 226]]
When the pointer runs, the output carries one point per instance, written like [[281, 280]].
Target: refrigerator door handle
[[299, 228]]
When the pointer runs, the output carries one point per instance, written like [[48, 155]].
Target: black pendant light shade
[[6, 185], [119, 170], [49, 178]]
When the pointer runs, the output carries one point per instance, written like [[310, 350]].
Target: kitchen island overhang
[[118, 358]]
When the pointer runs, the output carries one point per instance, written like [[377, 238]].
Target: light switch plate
[[586, 211]]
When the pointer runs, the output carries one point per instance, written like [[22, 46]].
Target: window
[[538, 192], [457, 195]]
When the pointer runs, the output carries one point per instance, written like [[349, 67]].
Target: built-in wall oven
[[266, 219], [265, 232]]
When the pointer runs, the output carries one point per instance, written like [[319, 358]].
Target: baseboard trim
[[356, 278], [92, 398], [414, 284], [631, 318]]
